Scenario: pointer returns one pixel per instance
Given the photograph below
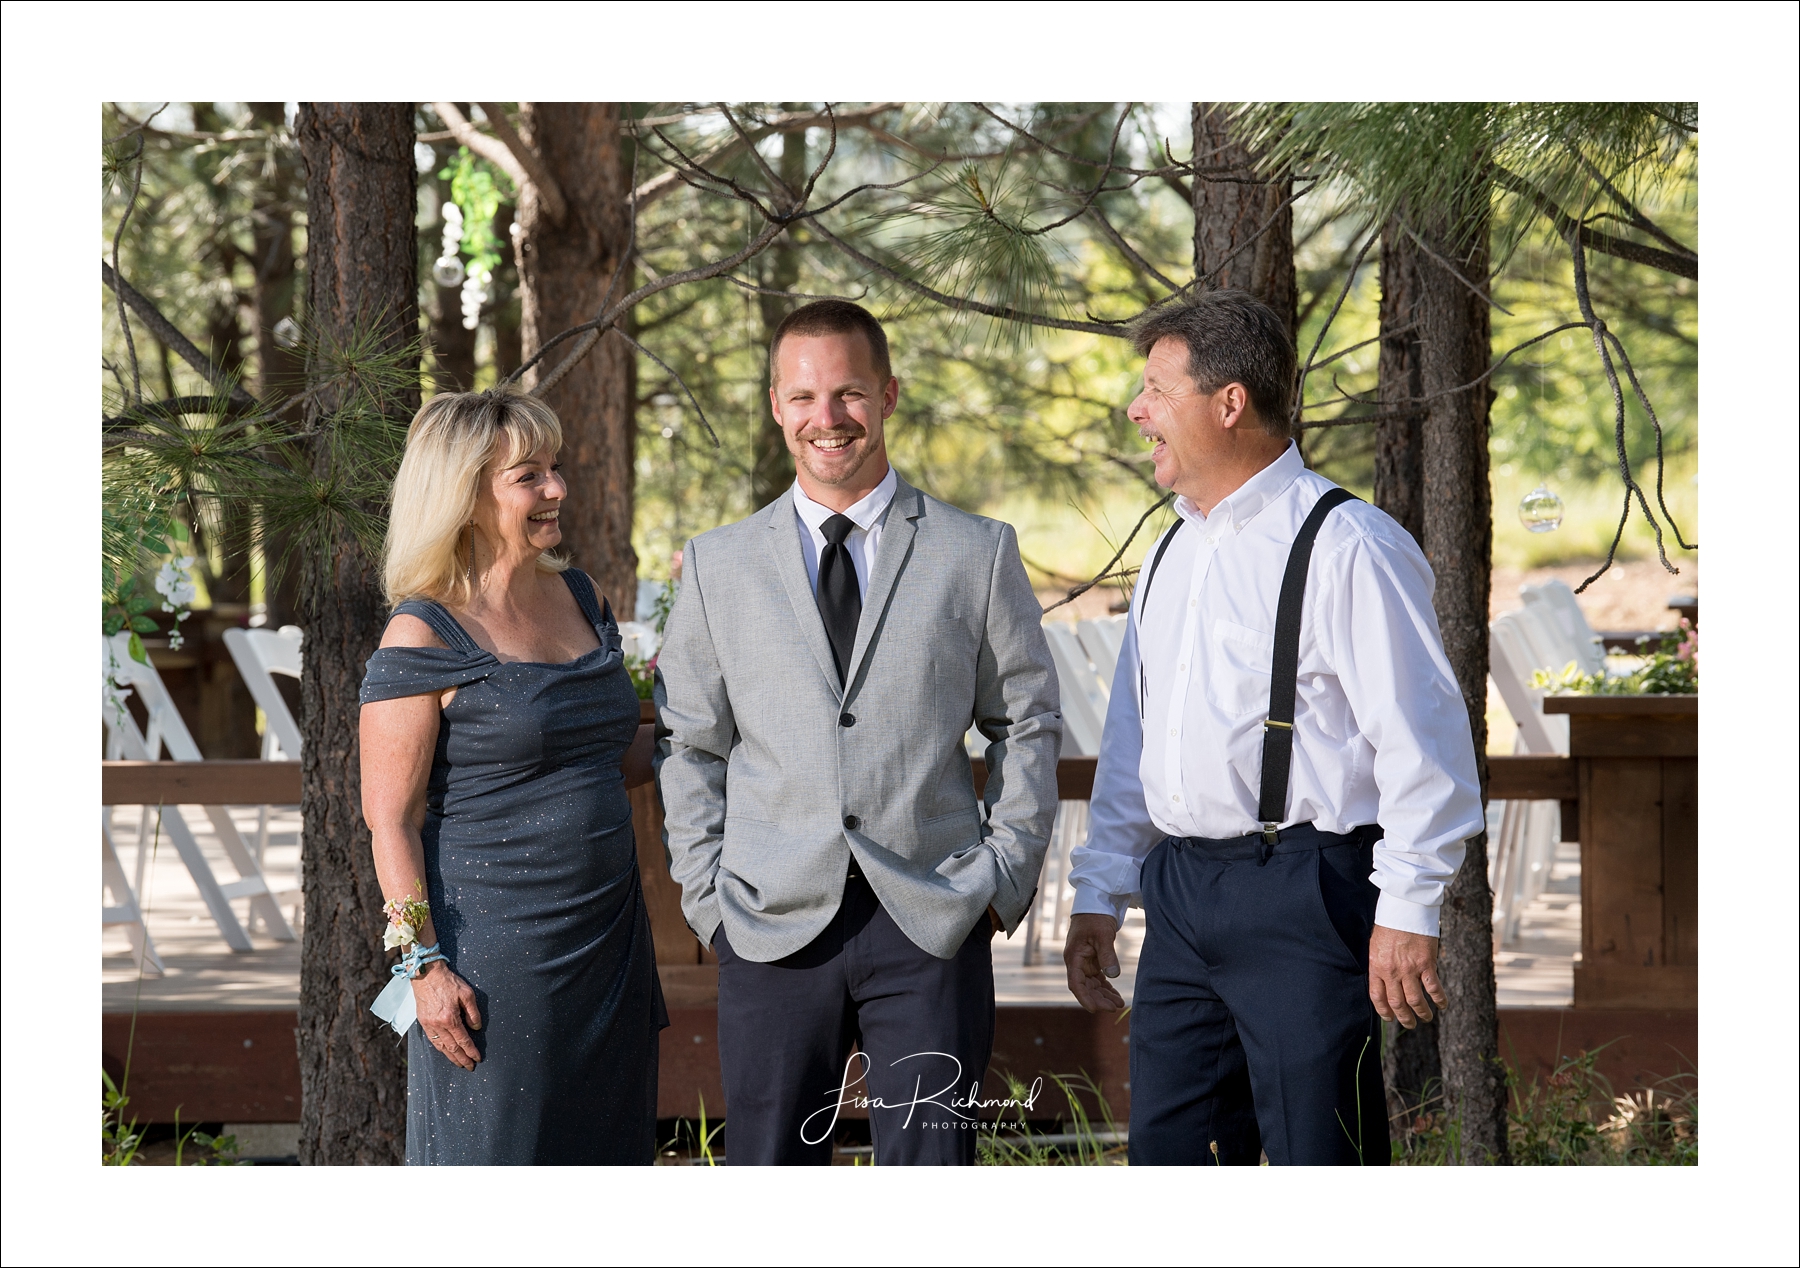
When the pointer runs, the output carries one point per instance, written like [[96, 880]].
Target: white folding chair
[[1104, 639], [1556, 603], [166, 731], [1513, 655], [1083, 698], [259, 656], [124, 909], [1520, 642]]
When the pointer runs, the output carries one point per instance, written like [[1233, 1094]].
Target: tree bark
[[1457, 517], [564, 273], [1232, 206], [1410, 1064], [362, 264], [772, 469], [1399, 442]]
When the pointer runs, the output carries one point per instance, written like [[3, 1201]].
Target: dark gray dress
[[531, 868]]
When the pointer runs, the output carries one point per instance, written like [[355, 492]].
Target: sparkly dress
[[531, 869]]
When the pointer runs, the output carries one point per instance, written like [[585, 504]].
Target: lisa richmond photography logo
[[930, 1069]]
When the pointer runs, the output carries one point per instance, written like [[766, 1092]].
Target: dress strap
[[597, 611], [445, 626]]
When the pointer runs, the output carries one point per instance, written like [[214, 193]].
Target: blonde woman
[[495, 718]]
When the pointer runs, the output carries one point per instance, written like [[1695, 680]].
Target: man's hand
[[1089, 957], [1402, 972]]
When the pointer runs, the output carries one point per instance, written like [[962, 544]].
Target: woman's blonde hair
[[453, 439]]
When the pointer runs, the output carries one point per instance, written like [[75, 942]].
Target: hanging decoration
[[1540, 510]]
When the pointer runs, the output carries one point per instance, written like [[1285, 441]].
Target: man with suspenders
[[1282, 691]]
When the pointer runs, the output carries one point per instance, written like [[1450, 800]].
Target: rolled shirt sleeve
[[1385, 646]]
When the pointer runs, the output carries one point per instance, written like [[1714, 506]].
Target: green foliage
[[1672, 668], [214, 1151], [1553, 1125], [478, 188], [1081, 1144], [119, 1140], [1572, 1119], [643, 676], [306, 480], [1421, 155]]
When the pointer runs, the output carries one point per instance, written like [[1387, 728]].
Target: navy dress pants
[[923, 1030], [1251, 1026]]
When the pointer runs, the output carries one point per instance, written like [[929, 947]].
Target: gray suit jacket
[[773, 777]]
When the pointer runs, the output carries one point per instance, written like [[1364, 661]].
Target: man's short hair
[[834, 317], [1231, 337]]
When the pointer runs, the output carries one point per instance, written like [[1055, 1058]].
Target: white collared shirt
[[1381, 734], [862, 540]]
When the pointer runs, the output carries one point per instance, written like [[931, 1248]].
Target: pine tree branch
[[1077, 591], [178, 342], [589, 332], [1593, 239], [1633, 217], [789, 121], [1116, 330], [1349, 285]]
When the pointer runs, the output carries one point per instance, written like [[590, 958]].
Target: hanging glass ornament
[[448, 271], [1540, 510]]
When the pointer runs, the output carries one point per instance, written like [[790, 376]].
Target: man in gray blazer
[[822, 664]]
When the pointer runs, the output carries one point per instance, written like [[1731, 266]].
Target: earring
[[469, 574]]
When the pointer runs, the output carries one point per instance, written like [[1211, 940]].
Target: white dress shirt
[[862, 540], [1381, 734]]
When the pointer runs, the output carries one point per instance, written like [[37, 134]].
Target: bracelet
[[414, 959]]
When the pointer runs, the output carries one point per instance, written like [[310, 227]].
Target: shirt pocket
[[1237, 678]]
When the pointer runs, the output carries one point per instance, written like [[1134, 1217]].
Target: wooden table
[[1637, 770]]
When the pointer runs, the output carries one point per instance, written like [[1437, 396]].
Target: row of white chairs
[[259, 655], [1548, 632]]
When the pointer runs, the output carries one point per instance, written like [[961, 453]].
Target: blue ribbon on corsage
[[395, 1005]]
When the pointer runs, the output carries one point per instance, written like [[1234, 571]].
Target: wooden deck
[[214, 1032], [203, 975]]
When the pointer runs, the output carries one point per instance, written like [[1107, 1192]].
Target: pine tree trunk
[[1399, 443], [564, 272], [362, 263], [1409, 1058], [773, 467], [1243, 236], [1457, 516]]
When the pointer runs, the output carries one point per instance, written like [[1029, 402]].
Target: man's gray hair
[[1231, 337]]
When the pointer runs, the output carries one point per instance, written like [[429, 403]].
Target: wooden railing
[[278, 783]]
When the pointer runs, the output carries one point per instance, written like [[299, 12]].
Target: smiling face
[[517, 507], [831, 403]]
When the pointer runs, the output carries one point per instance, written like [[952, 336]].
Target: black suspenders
[[1284, 670]]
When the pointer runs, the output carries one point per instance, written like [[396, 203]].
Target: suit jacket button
[[846, 719], [852, 822]]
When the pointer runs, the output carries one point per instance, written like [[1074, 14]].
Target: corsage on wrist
[[406, 919]]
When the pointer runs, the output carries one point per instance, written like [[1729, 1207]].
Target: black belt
[[1284, 670]]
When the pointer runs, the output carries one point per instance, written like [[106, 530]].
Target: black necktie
[[840, 600]]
